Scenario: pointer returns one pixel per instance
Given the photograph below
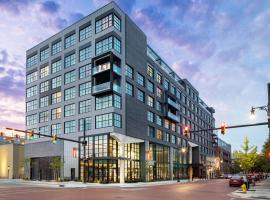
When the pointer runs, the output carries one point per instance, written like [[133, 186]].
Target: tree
[[246, 157], [56, 164], [263, 162]]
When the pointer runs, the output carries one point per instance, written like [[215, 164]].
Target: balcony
[[173, 104], [173, 116], [101, 87], [117, 70], [101, 68]]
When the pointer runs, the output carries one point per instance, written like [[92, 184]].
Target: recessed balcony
[[101, 87], [101, 68], [173, 104], [173, 116]]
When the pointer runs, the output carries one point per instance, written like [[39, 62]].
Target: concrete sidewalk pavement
[[260, 191]]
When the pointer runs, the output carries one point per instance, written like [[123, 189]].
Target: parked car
[[236, 180]]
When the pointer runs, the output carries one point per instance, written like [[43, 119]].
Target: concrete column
[[144, 153], [122, 162], [171, 163], [190, 163]]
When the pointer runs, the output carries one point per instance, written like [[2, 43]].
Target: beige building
[[11, 161]]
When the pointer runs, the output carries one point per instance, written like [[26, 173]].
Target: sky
[[222, 47]]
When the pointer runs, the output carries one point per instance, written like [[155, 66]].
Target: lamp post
[[8, 168], [266, 108]]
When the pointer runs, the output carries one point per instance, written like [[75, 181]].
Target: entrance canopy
[[125, 139]]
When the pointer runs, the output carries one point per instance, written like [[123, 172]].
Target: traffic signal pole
[[268, 111]]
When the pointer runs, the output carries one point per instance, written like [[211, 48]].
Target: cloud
[[50, 7], [13, 6], [76, 16]]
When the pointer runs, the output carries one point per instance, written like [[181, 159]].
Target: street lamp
[[183, 150], [8, 168]]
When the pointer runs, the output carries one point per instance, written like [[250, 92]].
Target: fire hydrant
[[244, 188]]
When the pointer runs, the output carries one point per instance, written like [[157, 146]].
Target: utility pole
[[268, 110]]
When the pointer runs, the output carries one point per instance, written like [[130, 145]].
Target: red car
[[236, 181]]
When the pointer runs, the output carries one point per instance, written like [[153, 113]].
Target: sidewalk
[[260, 191], [73, 184]]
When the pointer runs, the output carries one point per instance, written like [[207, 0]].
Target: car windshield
[[236, 177]]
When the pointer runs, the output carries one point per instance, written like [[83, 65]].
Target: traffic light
[[223, 128], [186, 131], [31, 134], [268, 154], [54, 139]]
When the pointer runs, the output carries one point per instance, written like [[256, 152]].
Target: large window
[[43, 116], [108, 101], [129, 71], [70, 93], [56, 129], [107, 120], [150, 71], [108, 21], [108, 44], [44, 71], [69, 110], [159, 78], [44, 101], [159, 106], [85, 88], [56, 47], [31, 119], [56, 66], [140, 79], [85, 33], [159, 120], [70, 60], [140, 95], [32, 60], [31, 105], [150, 87], [85, 53], [30, 78], [44, 130], [159, 92], [150, 116], [85, 71], [44, 54], [85, 106], [56, 97], [56, 113], [151, 132], [70, 41], [44, 86], [129, 89], [87, 124], [150, 101], [56, 82], [70, 126], [166, 84], [32, 91], [159, 134], [70, 77]]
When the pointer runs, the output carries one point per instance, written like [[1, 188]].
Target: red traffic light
[[223, 128], [268, 154], [186, 131]]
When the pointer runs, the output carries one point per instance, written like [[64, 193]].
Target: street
[[215, 189]]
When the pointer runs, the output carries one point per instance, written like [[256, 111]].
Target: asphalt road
[[216, 190]]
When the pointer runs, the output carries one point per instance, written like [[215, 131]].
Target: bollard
[[244, 188]]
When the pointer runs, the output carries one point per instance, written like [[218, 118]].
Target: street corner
[[251, 194]]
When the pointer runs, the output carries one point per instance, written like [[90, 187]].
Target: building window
[[32, 91], [85, 106], [56, 66], [43, 116], [150, 71], [56, 129], [56, 97], [85, 71], [173, 139], [159, 120], [117, 120], [44, 101], [70, 77], [31, 105], [159, 134], [44, 71], [150, 101], [44, 86], [150, 87], [87, 124], [151, 132], [70, 41], [44, 54], [129, 89], [104, 102], [44, 130], [150, 116], [159, 78], [173, 126], [56, 47], [70, 60], [173, 90], [117, 101], [84, 88], [85, 33], [166, 123], [159, 106], [56, 82], [70, 126], [69, 110], [167, 137], [129, 71], [56, 113], [31, 61], [166, 84], [70, 93], [30, 78], [140, 79], [85, 53], [108, 44], [31, 120], [159, 92], [107, 120], [108, 21], [140, 95]]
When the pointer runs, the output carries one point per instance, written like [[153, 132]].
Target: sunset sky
[[222, 47]]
